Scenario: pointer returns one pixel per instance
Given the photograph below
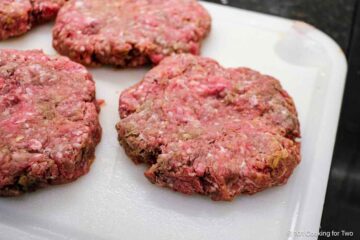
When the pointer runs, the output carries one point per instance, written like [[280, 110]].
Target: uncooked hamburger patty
[[210, 130], [48, 121], [128, 32], [18, 16]]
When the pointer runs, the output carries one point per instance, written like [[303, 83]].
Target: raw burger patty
[[18, 16], [128, 32], [210, 130], [48, 121]]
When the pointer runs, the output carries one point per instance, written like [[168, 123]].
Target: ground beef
[[128, 32], [210, 130], [48, 121], [18, 16]]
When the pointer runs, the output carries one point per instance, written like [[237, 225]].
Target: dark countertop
[[331, 16], [341, 20]]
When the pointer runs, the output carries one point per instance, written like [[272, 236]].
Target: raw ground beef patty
[[18, 16], [48, 121], [128, 32], [210, 130]]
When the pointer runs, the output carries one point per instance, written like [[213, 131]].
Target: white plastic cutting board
[[115, 200]]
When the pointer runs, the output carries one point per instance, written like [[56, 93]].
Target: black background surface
[[341, 20]]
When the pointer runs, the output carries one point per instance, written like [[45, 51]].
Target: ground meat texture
[[210, 130], [127, 32], [48, 121], [18, 16]]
